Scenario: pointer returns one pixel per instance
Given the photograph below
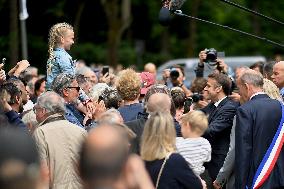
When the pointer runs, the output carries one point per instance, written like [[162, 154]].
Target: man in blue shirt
[[278, 76]]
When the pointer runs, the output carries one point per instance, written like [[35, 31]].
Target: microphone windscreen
[[164, 16], [176, 4]]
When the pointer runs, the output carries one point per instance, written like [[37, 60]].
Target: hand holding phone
[[105, 70]]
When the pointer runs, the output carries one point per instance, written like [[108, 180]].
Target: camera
[[174, 74], [196, 97], [211, 56]]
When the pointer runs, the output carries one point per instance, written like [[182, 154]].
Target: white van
[[189, 65]]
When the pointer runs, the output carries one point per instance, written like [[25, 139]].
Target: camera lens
[[211, 55], [174, 74]]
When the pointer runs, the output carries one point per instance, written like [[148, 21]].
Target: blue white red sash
[[268, 162]]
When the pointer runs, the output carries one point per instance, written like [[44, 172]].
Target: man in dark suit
[[257, 122], [221, 112]]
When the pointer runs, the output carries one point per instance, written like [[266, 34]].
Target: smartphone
[[105, 70]]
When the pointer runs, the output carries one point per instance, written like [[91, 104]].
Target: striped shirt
[[195, 151]]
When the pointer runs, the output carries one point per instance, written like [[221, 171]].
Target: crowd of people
[[81, 127]]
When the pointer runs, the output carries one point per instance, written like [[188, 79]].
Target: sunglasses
[[77, 88]]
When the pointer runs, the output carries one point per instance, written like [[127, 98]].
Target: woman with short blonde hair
[[167, 169]]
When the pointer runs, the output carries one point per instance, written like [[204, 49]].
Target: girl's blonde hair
[[159, 136], [271, 89], [56, 32]]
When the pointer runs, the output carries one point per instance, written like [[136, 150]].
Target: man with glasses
[[67, 87], [57, 152]]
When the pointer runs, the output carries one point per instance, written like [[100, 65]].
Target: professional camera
[[211, 56], [196, 97], [174, 74]]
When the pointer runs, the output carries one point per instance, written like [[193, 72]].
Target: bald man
[[105, 161], [159, 102], [150, 67], [278, 76]]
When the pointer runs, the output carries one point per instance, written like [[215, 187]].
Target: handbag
[[161, 170]]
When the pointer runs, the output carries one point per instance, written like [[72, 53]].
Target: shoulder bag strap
[[161, 170]]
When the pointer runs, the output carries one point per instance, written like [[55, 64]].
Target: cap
[[148, 80]]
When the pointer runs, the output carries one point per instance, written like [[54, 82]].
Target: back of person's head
[[158, 138], [51, 102], [56, 32], [222, 80], [253, 78], [29, 119], [271, 89], [198, 84], [197, 121], [61, 82], [157, 88], [159, 102], [111, 98], [258, 66], [19, 160], [268, 69], [97, 90], [11, 91], [113, 116], [128, 84], [178, 97], [103, 155]]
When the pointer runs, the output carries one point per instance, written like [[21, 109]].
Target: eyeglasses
[[35, 109], [77, 88]]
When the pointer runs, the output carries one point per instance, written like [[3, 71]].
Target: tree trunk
[[255, 18], [14, 33], [193, 29], [78, 17], [118, 17]]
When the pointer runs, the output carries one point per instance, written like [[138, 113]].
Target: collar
[[282, 91], [52, 118], [218, 102], [59, 49], [256, 94]]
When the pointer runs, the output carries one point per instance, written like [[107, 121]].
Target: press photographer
[[175, 77], [210, 57]]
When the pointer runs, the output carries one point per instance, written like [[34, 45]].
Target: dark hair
[[178, 97], [12, 90], [111, 98], [180, 67], [38, 84], [258, 65], [223, 80], [198, 84], [268, 68], [81, 79]]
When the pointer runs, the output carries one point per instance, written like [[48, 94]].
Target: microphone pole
[[179, 13], [252, 11]]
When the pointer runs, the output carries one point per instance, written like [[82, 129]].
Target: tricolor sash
[[268, 162]]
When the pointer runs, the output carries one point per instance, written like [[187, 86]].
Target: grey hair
[[97, 90], [252, 77], [30, 117], [52, 102], [61, 82], [83, 70], [110, 115]]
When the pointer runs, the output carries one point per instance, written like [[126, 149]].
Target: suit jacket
[[257, 123], [227, 173], [218, 133]]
